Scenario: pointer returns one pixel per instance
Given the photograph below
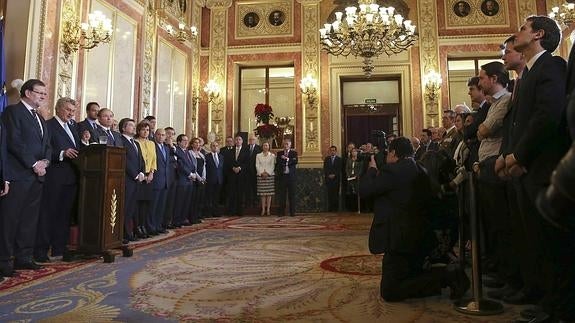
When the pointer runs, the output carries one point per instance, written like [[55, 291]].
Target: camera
[[380, 139]]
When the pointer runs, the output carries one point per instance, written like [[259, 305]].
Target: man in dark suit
[[106, 120], [61, 186], [28, 144], [89, 123], [184, 186], [332, 166], [452, 137], [286, 161], [215, 179], [135, 169], [536, 142], [152, 122], [236, 174], [425, 144], [228, 153], [250, 175], [400, 227], [167, 222], [160, 184], [4, 186]]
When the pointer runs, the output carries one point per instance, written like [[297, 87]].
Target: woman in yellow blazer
[[145, 193]]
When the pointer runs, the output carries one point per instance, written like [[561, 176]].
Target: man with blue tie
[[215, 179], [286, 161], [28, 144], [61, 186], [160, 184], [106, 119]]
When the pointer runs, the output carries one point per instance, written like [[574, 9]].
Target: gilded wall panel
[[255, 19], [429, 50]]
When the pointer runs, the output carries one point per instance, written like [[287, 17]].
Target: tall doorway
[[369, 108]]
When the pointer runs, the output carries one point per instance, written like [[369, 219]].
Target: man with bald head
[[106, 121]]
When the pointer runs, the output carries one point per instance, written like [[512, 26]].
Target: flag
[[3, 97]]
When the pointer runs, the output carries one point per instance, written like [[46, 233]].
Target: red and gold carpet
[[309, 268]]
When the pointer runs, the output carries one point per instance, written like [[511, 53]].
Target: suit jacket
[[450, 141], [536, 137], [163, 174], [229, 155], [118, 141], [62, 172], [334, 168], [242, 161], [291, 162], [252, 160], [85, 125], [184, 167], [134, 161], [25, 142], [401, 200], [215, 175], [3, 153]]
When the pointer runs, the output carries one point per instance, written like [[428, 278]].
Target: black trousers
[[286, 188], [197, 205], [332, 194], [19, 212], [170, 206], [157, 212], [182, 204], [235, 191], [58, 203], [212, 199], [403, 277]]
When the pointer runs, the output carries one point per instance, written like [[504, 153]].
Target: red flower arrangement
[[263, 113]]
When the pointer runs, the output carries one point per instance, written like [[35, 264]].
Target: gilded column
[[429, 51], [311, 125], [217, 63], [195, 67], [70, 17], [148, 59]]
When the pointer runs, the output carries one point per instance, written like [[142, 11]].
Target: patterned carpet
[[309, 268]]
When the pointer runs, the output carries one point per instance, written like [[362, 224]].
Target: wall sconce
[[308, 86], [432, 81], [182, 32], [76, 35], [212, 90]]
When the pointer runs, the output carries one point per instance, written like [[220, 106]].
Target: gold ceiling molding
[[271, 48], [429, 50], [217, 63], [525, 9], [255, 19], [311, 124]]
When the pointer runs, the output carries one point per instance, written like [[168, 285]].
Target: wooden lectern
[[101, 200]]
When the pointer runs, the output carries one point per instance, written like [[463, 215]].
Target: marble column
[[428, 42], [148, 61]]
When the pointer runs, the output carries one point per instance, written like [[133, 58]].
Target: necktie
[[35, 115], [216, 161], [515, 89], [111, 137], [134, 144], [237, 152], [286, 153], [67, 129], [163, 150], [332, 160], [251, 149], [94, 125]]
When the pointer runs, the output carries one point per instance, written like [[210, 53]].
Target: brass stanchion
[[476, 305]]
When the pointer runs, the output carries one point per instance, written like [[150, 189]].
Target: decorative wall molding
[[70, 11], [311, 125], [195, 68], [148, 62], [254, 19], [526, 8], [428, 42], [217, 63]]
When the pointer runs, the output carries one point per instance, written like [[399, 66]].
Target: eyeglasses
[[41, 93]]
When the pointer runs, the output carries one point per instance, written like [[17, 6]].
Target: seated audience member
[[401, 230], [265, 165]]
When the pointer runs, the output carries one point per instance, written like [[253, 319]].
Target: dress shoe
[[541, 317], [42, 259], [457, 281], [163, 231], [531, 312], [522, 297], [6, 272], [1, 279], [27, 266]]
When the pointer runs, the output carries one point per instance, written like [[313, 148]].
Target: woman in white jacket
[[265, 164]]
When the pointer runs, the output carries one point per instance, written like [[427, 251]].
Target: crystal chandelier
[[368, 33], [564, 15], [86, 35]]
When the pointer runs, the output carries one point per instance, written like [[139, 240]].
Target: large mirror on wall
[[460, 70], [272, 85]]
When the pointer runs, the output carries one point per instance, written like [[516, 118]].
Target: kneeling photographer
[[400, 227]]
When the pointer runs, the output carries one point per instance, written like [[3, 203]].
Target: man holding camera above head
[[400, 227]]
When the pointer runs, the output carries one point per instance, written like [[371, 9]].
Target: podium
[[101, 200]]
